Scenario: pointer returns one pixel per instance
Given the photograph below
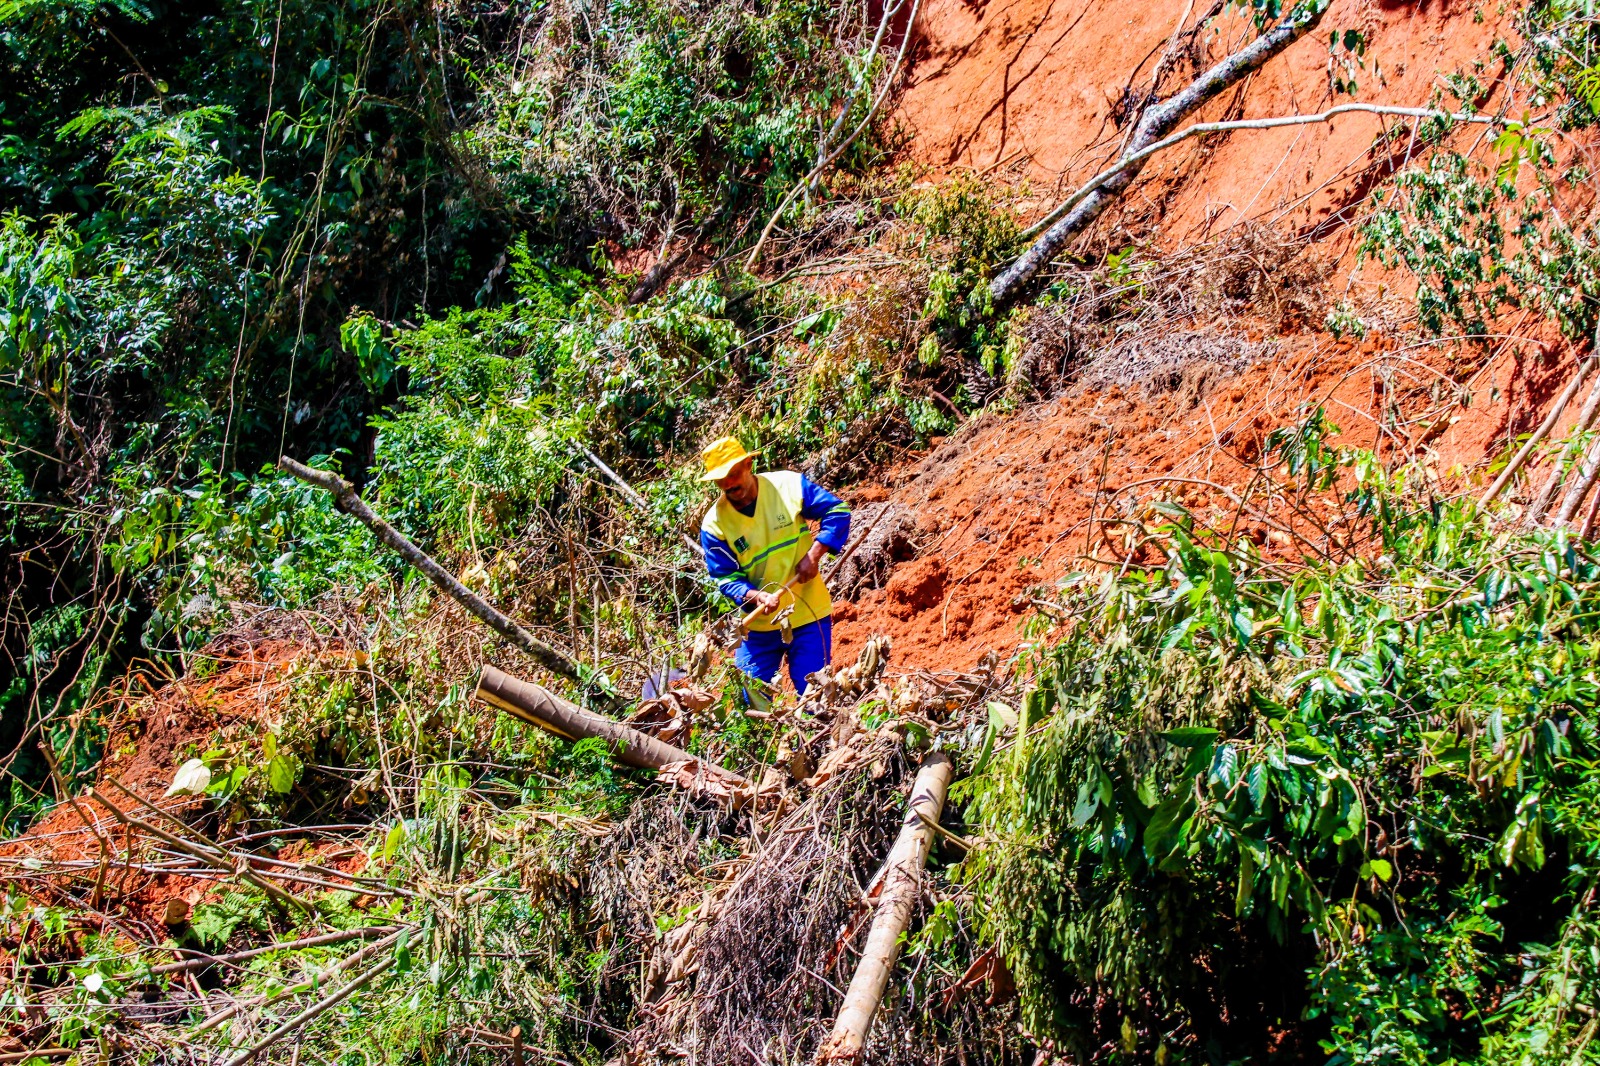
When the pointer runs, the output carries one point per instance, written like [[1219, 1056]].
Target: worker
[[763, 556]]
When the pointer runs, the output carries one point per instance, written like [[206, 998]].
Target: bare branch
[[1157, 122], [543, 654]]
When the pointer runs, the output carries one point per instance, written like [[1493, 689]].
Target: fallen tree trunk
[[1158, 121], [1588, 470], [345, 493], [902, 883], [1538, 434], [543, 708], [1547, 495]]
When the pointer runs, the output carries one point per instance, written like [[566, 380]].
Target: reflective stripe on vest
[[769, 543]]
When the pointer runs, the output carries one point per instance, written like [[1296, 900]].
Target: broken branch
[[313, 982], [207, 855], [1201, 128], [827, 161], [345, 493], [202, 961], [630, 492], [311, 1012], [1588, 470], [1547, 494]]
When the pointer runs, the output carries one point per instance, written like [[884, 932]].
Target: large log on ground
[[543, 708], [902, 881]]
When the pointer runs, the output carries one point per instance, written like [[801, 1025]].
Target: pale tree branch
[[1149, 137], [827, 161]]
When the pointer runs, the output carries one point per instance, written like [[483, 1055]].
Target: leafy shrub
[[1484, 234], [661, 115], [1364, 771]]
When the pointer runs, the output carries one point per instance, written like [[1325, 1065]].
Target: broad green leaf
[[1256, 781], [1224, 765], [1001, 716], [1168, 829], [1088, 803], [1190, 736], [392, 840], [282, 772], [191, 779]]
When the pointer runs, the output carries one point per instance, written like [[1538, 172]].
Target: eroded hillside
[[1266, 722]]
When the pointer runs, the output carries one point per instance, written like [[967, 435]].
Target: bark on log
[[1539, 434], [1158, 121], [345, 493], [901, 885], [1547, 495], [543, 708], [1588, 470]]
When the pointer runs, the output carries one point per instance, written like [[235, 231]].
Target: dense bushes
[[366, 229], [1350, 801]]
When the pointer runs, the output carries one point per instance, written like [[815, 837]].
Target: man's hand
[[766, 602], [806, 568]]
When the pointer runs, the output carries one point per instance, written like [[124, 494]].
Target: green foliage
[[1359, 768], [1481, 235], [656, 114], [215, 923], [228, 235], [1452, 236], [968, 235]]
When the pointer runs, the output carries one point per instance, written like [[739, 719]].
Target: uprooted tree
[[1156, 122]]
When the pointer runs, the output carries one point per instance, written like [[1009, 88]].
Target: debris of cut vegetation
[[726, 921], [1185, 362]]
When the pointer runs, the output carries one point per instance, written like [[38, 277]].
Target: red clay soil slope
[[149, 738], [1027, 89], [1007, 500]]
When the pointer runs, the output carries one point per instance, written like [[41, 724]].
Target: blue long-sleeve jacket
[[817, 504]]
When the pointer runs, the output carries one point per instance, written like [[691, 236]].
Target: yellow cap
[[721, 456]]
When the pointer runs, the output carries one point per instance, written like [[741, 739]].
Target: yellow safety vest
[[768, 544]]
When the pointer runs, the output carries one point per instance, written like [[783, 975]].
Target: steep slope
[[1038, 91], [535, 899], [1004, 506]]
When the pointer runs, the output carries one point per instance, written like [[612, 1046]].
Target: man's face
[[740, 486]]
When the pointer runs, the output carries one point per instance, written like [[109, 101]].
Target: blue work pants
[[763, 651]]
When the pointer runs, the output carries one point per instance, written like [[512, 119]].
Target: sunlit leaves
[[1384, 735]]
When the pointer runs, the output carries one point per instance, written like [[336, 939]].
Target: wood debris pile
[[753, 969]]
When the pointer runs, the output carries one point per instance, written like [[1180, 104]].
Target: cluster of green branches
[[376, 230], [1490, 227], [1255, 808]]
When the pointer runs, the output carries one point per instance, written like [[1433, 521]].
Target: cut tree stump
[[902, 882]]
